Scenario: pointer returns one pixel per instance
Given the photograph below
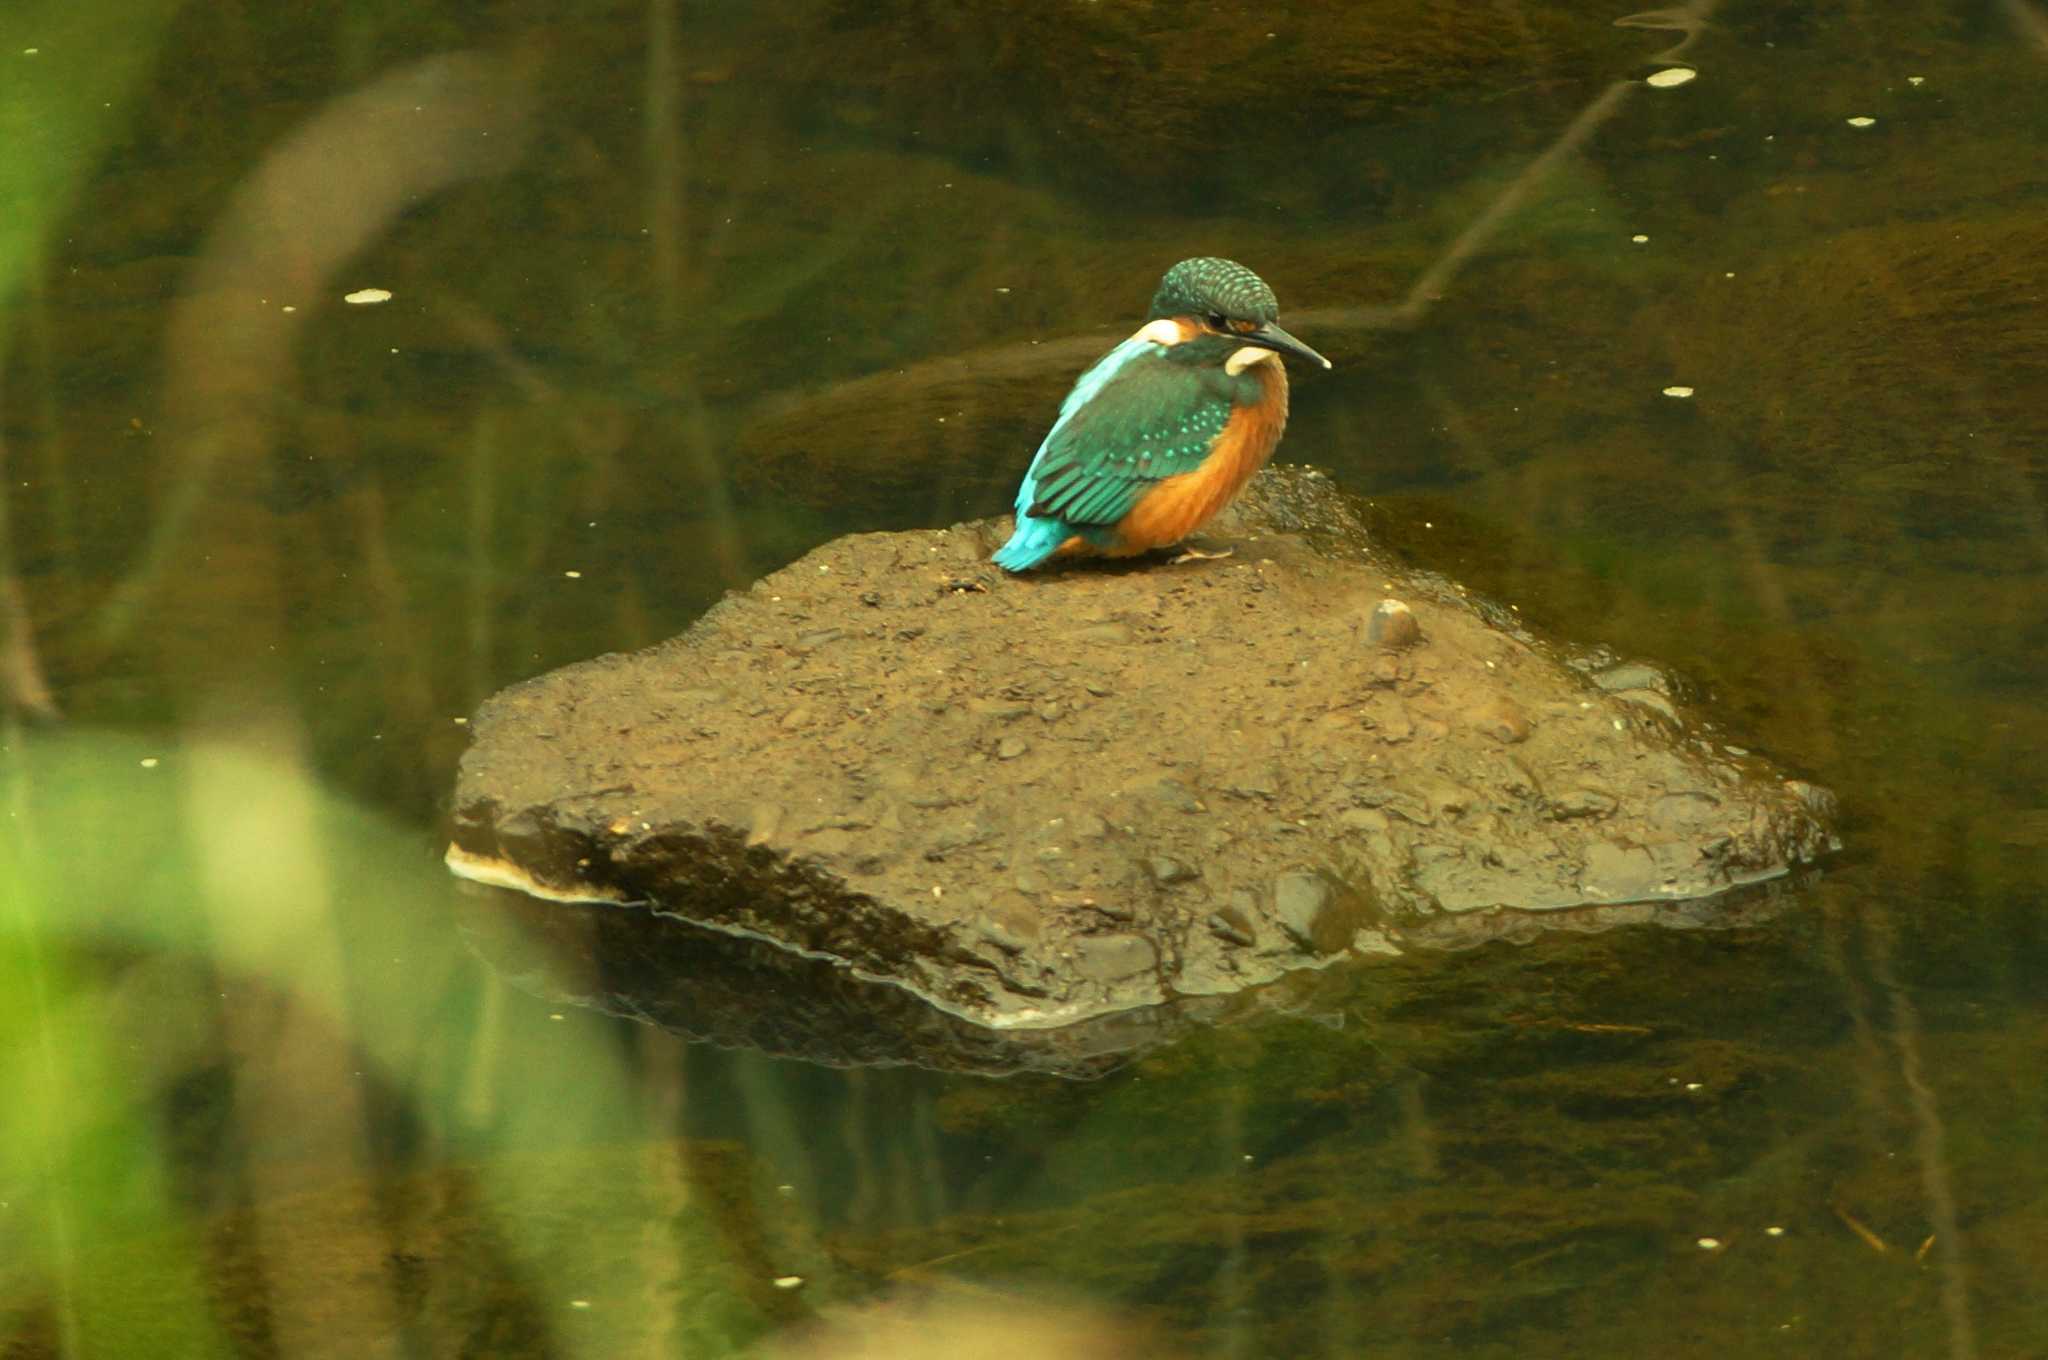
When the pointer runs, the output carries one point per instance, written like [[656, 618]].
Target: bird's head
[[1210, 296]]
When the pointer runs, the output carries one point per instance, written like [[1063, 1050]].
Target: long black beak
[[1273, 338]]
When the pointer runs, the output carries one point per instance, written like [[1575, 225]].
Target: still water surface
[[680, 291]]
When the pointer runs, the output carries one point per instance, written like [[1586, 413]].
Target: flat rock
[[1031, 801]]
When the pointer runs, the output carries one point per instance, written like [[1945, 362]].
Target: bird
[[1165, 429]]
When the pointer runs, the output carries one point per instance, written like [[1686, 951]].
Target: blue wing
[[1134, 419]]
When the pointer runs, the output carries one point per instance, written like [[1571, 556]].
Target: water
[[678, 292]]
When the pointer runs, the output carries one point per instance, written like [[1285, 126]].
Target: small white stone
[[363, 297], [1860, 121], [1677, 391], [1670, 76]]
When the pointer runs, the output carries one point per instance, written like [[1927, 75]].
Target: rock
[[1503, 720], [1299, 903], [1166, 869], [1232, 925], [1108, 958], [1206, 739], [1392, 625]]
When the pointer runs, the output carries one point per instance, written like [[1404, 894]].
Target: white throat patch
[[1245, 357]]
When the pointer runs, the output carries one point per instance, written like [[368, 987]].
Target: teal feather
[[1156, 417]]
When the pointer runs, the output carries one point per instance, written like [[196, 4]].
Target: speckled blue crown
[[1204, 285]]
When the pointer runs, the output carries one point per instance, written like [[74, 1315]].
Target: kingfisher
[[1166, 428]]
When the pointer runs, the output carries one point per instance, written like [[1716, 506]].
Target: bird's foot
[[1197, 555]]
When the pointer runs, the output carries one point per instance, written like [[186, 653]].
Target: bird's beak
[[1273, 338]]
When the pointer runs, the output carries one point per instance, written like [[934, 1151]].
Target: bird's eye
[[1217, 322]]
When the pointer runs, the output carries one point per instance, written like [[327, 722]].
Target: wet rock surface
[[1033, 801]]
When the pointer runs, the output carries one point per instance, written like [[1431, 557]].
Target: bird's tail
[[1034, 541]]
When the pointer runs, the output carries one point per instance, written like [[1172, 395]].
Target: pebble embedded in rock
[[1301, 902], [1632, 675], [1504, 721], [1582, 803], [1650, 699], [1392, 625], [1166, 792], [1233, 925], [1167, 869], [1012, 747], [1087, 826], [1106, 958]]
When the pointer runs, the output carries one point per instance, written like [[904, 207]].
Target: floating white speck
[[1774, 1231], [1676, 391], [1639, 238], [30, 51], [1861, 121], [1916, 80], [579, 1303], [288, 308], [150, 762], [1670, 76], [788, 1281], [1693, 1086], [1710, 1244], [573, 575], [363, 297]]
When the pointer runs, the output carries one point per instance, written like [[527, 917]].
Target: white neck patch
[[1245, 357]]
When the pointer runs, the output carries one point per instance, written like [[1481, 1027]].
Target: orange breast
[[1180, 505]]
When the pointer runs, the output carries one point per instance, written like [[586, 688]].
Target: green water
[[679, 291]]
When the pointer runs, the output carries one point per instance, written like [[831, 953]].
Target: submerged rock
[[1035, 800]]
